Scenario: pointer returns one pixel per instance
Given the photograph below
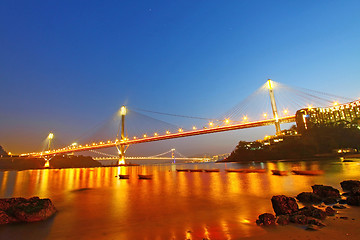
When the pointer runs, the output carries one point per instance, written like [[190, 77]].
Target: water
[[94, 204]]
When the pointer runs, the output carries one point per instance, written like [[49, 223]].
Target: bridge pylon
[[173, 155], [122, 149], [273, 106]]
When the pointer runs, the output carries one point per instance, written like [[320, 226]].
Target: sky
[[67, 66]]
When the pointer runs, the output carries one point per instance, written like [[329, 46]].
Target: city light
[[134, 137], [180, 130], [155, 134], [167, 132], [309, 107], [74, 144], [194, 128], [245, 118], [335, 103], [145, 135], [227, 121], [265, 115], [285, 111], [211, 124]]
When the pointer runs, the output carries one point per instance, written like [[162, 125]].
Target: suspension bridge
[[174, 156], [235, 119]]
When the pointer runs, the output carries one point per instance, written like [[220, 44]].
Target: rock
[[309, 197], [6, 203], [330, 211], [4, 218], [27, 210], [353, 200], [315, 221], [338, 206], [345, 218], [312, 211], [349, 184], [298, 219], [312, 228], [342, 201], [283, 205], [266, 219], [355, 191], [329, 201], [283, 219], [325, 191]]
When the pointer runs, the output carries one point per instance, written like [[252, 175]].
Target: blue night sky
[[66, 66]]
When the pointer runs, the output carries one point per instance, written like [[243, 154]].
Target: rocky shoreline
[[326, 197], [22, 210]]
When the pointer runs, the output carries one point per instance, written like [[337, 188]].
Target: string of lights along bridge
[[280, 100]]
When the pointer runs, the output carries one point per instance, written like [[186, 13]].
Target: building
[[348, 113]]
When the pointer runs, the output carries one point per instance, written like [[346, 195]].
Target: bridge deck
[[165, 137]]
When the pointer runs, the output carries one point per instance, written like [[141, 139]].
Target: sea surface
[[93, 204]]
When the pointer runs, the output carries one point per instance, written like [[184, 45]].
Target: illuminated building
[[348, 113]]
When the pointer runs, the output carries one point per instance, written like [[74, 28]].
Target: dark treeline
[[319, 140]]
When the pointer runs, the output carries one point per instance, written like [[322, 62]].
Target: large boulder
[[348, 185], [330, 211], [355, 191], [283, 205], [25, 210], [311, 211], [283, 219], [353, 200], [325, 191], [298, 219], [309, 197], [266, 219]]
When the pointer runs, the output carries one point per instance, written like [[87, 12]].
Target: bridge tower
[[173, 155], [122, 136], [47, 159], [273, 106]]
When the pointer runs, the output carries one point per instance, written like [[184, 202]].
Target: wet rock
[[6, 203], [266, 219], [329, 201], [349, 184], [309, 197], [325, 191], [345, 218], [26, 210], [315, 221], [355, 191], [338, 206], [4, 218], [312, 228], [298, 219], [353, 200], [283, 219], [283, 205], [312, 211], [330, 211], [342, 201]]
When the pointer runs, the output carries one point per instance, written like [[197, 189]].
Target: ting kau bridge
[[233, 120]]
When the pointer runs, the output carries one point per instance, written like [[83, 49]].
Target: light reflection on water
[[93, 203]]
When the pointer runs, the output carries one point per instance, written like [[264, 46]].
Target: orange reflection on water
[[93, 203]]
